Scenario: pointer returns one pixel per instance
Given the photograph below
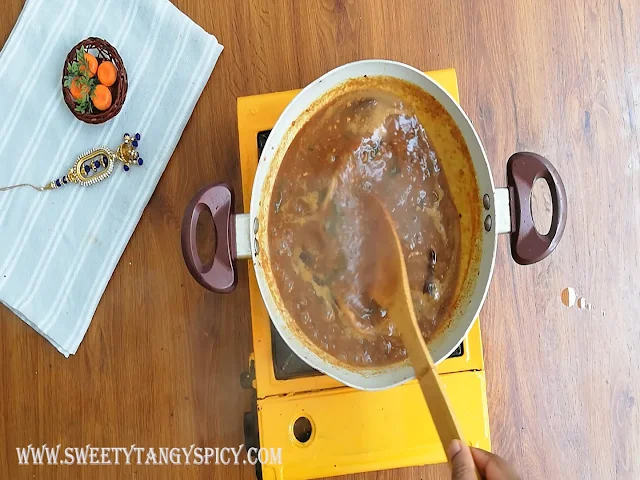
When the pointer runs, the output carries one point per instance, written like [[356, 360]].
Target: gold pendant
[[96, 165]]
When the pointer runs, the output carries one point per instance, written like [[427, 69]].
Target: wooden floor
[[161, 362]]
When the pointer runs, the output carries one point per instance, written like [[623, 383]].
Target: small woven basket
[[105, 51]]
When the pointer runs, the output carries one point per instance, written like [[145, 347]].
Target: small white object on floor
[[568, 297]]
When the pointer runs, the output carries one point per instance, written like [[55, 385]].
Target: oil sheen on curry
[[365, 142]]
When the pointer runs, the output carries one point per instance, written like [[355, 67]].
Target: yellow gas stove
[[323, 427]]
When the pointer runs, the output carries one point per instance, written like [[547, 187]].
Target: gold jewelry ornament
[[95, 165]]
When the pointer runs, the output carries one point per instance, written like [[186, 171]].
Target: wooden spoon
[[390, 289]]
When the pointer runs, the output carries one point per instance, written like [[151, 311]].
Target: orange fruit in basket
[[107, 73], [78, 90], [92, 63], [101, 97]]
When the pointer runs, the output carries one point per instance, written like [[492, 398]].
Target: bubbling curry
[[367, 141]]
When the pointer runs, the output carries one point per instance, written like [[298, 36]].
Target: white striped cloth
[[59, 248]]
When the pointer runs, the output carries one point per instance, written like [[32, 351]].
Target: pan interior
[[454, 159]]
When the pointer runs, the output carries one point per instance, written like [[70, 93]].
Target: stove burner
[[262, 140], [286, 364]]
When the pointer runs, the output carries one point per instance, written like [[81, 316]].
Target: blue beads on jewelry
[[138, 137], [140, 161], [135, 143], [96, 164], [64, 179], [126, 168], [87, 169], [105, 161], [58, 183]]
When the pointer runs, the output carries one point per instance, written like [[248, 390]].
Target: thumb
[[462, 465]]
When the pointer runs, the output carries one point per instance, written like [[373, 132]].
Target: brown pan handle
[[527, 245], [219, 275]]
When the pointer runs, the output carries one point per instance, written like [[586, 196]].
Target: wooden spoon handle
[[432, 389], [431, 386], [390, 288]]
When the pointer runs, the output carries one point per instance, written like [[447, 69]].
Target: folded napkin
[[59, 248]]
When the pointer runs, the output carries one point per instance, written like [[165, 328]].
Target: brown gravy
[[363, 142]]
